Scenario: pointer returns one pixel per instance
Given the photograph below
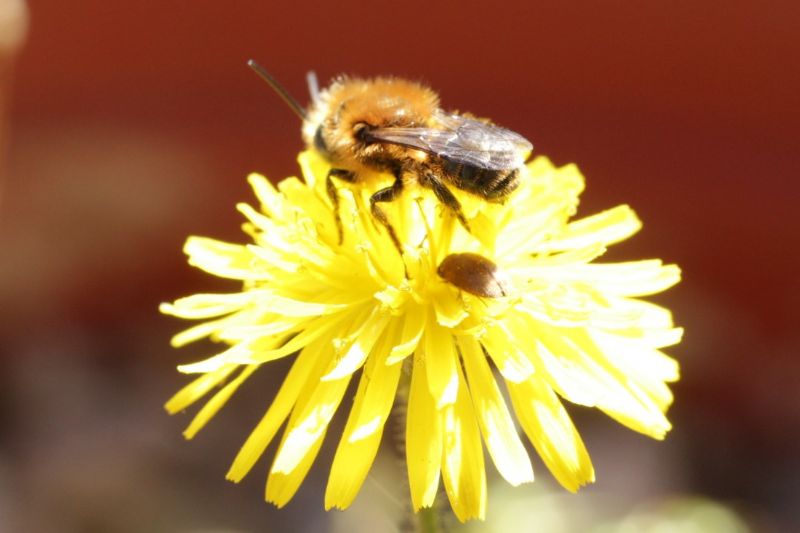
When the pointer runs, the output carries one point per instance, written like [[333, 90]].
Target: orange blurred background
[[130, 125]]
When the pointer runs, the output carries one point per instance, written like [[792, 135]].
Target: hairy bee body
[[491, 184], [341, 115], [396, 126]]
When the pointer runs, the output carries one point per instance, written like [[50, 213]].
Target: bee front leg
[[444, 195], [344, 175], [389, 194]]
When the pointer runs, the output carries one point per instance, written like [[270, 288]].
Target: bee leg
[[330, 187], [444, 195], [388, 194]]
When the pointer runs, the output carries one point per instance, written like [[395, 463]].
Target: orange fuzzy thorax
[[379, 102]]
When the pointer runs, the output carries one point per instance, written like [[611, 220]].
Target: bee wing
[[463, 140]]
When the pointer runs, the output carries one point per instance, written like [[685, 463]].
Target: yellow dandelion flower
[[557, 325]]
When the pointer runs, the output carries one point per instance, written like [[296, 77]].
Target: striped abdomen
[[493, 185]]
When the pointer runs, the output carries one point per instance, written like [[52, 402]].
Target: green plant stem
[[428, 520]]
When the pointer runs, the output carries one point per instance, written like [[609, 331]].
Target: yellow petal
[[565, 375], [197, 332], [358, 351], [635, 278], [607, 227], [646, 315], [271, 254], [208, 305], [281, 487], [305, 431], [642, 336], [216, 402], [522, 235], [257, 351], [550, 430], [440, 363], [450, 312], [637, 356], [413, 326], [291, 307], [381, 388], [307, 201], [271, 200], [197, 389], [251, 329], [423, 438], [310, 425], [547, 266], [226, 260], [312, 166], [497, 427], [261, 222], [302, 371], [510, 360], [540, 209], [651, 394], [462, 458], [364, 428], [580, 372]]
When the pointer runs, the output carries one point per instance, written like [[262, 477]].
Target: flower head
[[562, 327]]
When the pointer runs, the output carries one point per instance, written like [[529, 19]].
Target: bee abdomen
[[504, 185], [487, 183]]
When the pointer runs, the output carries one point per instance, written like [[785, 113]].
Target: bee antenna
[[282, 92]]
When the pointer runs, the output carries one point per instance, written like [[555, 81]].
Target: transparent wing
[[463, 140]]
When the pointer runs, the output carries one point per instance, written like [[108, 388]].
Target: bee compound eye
[[319, 141], [361, 131]]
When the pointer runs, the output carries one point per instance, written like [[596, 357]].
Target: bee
[[474, 274], [397, 126]]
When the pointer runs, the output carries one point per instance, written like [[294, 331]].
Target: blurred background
[[127, 126]]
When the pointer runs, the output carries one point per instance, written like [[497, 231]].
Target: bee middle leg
[[444, 195], [388, 194], [344, 175]]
